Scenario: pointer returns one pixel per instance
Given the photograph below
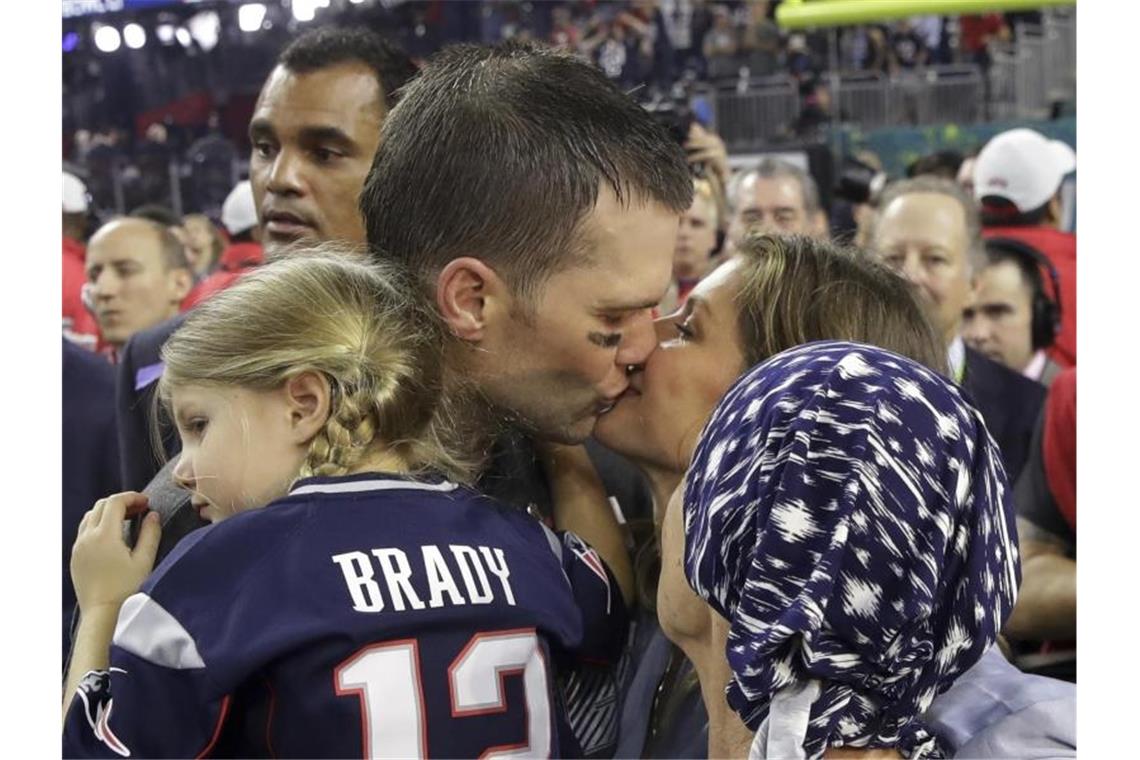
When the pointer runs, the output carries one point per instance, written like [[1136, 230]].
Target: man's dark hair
[[1029, 268], [500, 153], [943, 163], [1002, 212], [158, 214], [329, 46]]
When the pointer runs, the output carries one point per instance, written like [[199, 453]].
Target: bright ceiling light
[[134, 35], [165, 33], [250, 16], [306, 10], [107, 38], [183, 36], [205, 28]]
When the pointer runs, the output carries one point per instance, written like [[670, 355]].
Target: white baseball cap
[[1022, 166], [74, 195], [238, 211]]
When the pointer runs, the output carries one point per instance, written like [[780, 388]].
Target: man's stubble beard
[[481, 410]]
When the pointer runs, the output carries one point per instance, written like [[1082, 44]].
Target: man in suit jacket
[[90, 459], [928, 229]]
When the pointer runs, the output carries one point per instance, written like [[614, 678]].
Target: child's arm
[[105, 572]]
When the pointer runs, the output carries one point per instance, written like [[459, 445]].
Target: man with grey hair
[[928, 230], [775, 197]]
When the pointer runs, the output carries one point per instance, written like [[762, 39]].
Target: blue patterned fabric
[[848, 514]]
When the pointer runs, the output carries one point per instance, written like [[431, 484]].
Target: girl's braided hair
[[362, 325]]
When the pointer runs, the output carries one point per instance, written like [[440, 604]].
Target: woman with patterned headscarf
[[849, 516], [776, 293]]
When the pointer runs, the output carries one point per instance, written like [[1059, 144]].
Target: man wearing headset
[[1017, 180], [1014, 315]]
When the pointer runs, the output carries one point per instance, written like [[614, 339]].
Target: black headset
[[1046, 311]]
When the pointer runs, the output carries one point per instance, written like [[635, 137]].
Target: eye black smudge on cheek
[[604, 340]]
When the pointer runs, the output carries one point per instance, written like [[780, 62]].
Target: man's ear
[[309, 399], [469, 294], [181, 281]]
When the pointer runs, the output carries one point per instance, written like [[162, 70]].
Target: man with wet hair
[[539, 206]]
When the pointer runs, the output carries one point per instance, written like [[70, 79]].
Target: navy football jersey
[[361, 616]]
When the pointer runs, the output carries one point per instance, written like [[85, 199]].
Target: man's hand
[[104, 570]]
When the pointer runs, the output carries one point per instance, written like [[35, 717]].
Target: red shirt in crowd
[[1061, 250], [1059, 444], [236, 260], [975, 30], [79, 324]]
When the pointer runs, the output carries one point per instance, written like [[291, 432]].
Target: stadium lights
[[306, 10], [165, 33], [70, 41], [250, 16], [205, 28], [134, 35], [183, 36], [107, 38]]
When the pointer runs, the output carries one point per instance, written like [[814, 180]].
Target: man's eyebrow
[[318, 133], [260, 128], [617, 306], [325, 134]]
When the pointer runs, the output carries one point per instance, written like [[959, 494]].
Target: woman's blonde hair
[[797, 290], [361, 325]]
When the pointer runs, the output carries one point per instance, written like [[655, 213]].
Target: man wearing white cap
[[239, 217], [1017, 180], [78, 323]]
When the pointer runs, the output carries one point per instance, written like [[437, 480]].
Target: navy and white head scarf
[[848, 513]]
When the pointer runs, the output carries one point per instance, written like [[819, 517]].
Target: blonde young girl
[[375, 607]]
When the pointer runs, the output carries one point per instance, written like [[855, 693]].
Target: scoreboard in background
[[74, 8]]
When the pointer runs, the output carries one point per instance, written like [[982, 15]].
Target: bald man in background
[[137, 275]]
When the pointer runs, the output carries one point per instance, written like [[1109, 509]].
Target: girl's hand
[[104, 570]]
